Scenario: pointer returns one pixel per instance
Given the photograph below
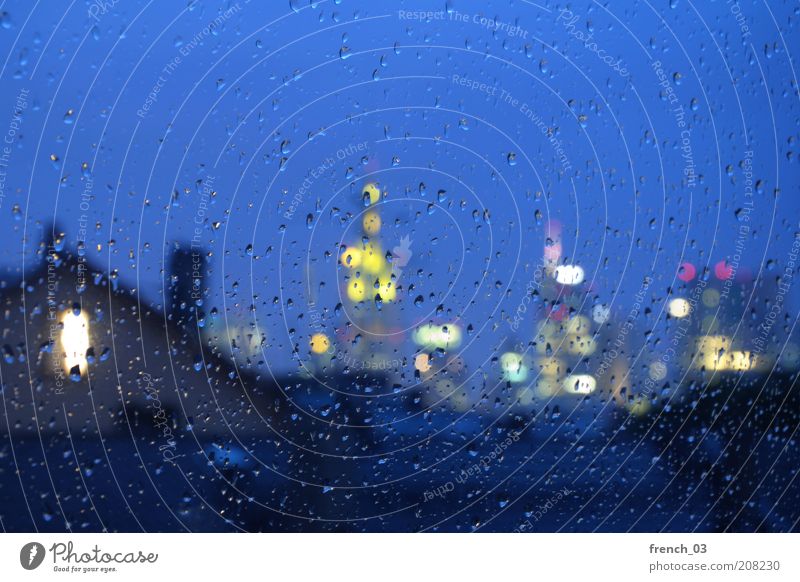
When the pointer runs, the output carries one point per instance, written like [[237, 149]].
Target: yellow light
[[372, 259], [449, 336], [386, 288], [579, 384], [711, 352], [371, 223], [549, 366], [356, 290], [422, 336], [320, 343], [713, 343], [581, 345], [75, 341], [679, 308], [373, 192], [741, 361], [351, 258]]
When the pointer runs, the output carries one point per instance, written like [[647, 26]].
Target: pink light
[[687, 272], [723, 270], [552, 252]]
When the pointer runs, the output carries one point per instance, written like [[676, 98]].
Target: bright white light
[[679, 308], [75, 341], [569, 274], [514, 368], [579, 384]]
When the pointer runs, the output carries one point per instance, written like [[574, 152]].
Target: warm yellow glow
[[546, 387], [578, 324], [372, 223], [569, 274], [579, 384], [581, 345], [351, 258], [422, 362], [712, 350], [741, 361], [372, 259], [75, 341], [679, 308], [386, 288], [320, 343], [356, 290], [713, 343], [373, 191], [550, 366]]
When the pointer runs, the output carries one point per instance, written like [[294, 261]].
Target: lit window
[[75, 341]]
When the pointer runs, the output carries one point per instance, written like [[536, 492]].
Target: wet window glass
[[350, 266]]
